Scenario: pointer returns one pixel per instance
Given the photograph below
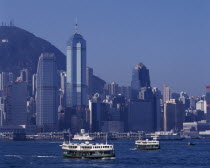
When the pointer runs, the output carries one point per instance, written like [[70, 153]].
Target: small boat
[[190, 144], [165, 135], [148, 144]]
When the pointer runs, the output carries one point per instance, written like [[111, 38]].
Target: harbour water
[[173, 154]]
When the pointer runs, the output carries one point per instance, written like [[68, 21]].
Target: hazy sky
[[171, 37]]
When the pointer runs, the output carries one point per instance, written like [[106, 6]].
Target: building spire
[[76, 26]]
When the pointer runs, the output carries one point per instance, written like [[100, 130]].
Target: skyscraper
[[141, 115], [76, 71], [89, 80], [47, 93], [6, 78], [173, 115], [166, 93], [16, 101], [34, 84], [96, 108], [140, 78]]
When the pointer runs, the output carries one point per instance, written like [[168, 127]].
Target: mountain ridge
[[21, 49]]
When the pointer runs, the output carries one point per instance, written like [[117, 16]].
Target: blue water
[[173, 154]]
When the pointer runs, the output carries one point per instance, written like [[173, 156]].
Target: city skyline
[[182, 43], [104, 80]]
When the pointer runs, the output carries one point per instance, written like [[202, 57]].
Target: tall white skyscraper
[[47, 93], [76, 71]]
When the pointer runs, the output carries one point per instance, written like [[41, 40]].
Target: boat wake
[[45, 156], [108, 158], [132, 149], [17, 156]]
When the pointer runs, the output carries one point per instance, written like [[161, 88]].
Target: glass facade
[[76, 71], [47, 93]]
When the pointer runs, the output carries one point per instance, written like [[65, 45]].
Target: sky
[[171, 37]]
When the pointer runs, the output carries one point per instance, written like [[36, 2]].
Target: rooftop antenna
[[76, 25]]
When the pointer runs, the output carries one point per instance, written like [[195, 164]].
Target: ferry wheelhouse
[[88, 150]]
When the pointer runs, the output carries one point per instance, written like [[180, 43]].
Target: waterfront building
[[157, 108], [97, 110], [141, 116], [119, 111], [47, 93], [145, 114], [173, 115], [16, 104], [31, 111]]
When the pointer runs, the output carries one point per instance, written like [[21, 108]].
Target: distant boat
[[165, 135], [83, 136], [148, 144], [190, 143]]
